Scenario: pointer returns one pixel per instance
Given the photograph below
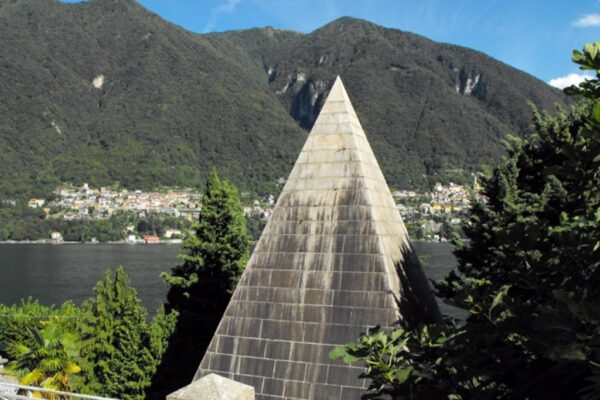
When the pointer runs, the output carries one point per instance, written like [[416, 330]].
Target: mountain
[[105, 91], [427, 107]]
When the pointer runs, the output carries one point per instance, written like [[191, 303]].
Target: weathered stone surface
[[333, 261], [214, 387]]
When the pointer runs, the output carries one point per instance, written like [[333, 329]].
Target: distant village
[[436, 215], [88, 203], [427, 214]]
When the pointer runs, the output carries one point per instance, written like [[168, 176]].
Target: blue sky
[[536, 36]]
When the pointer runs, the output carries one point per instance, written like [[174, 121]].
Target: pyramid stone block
[[333, 261]]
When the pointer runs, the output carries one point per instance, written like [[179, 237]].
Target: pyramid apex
[[338, 91]]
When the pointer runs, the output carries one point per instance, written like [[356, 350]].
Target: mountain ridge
[[486, 89], [106, 91]]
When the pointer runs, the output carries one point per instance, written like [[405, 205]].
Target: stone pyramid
[[333, 261]]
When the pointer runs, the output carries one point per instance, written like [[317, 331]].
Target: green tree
[[214, 255], [49, 357], [122, 349], [212, 260], [256, 223], [528, 277], [161, 328]]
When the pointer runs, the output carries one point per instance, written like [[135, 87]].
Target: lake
[[57, 273]]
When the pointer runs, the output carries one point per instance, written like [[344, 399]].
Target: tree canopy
[[49, 356], [213, 258], [123, 349], [215, 254]]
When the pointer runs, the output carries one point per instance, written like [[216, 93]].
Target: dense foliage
[[105, 347], [16, 319], [172, 103], [213, 258], [48, 360], [42, 342], [215, 255], [123, 349], [528, 276], [256, 222], [157, 224]]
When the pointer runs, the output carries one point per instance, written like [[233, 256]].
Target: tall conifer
[[213, 258], [123, 350]]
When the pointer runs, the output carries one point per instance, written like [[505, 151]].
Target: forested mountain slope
[[426, 107], [105, 91]]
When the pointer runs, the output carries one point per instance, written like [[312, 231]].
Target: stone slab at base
[[213, 387]]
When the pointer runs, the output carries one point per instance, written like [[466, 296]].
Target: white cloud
[[587, 21], [226, 8], [568, 80]]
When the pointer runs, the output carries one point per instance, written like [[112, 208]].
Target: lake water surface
[[57, 273]]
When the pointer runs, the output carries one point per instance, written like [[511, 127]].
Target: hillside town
[[436, 215], [429, 215], [84, 202]]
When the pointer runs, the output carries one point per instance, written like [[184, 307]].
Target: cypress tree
[[122, 349], [213, 258]]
